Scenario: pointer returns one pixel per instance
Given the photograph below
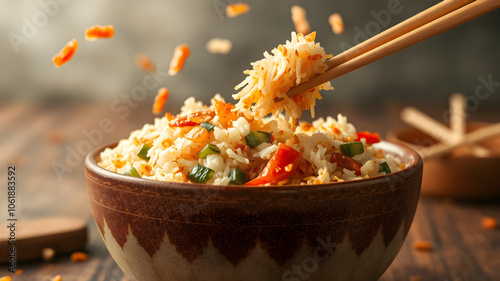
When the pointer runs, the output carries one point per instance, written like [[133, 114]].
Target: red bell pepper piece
[[346, 162], [370, 137], [278, 169]]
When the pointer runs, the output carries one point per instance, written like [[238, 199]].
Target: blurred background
[[103, 70], [50, 118]]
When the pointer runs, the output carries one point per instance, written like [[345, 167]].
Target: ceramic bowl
[[459, 175], [172, 231]]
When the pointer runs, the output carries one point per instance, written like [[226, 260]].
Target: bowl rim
[[91, 165]]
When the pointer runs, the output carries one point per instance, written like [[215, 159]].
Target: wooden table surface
[[35, 135]]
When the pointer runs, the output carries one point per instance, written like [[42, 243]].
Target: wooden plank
[[463, 250]]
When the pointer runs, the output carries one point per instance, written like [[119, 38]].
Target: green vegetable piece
[[132, 172], [384, 167], [352, 148], [143, 152], [207, 126], [254, 138], [201, 174], [237, 177], [209, 149]]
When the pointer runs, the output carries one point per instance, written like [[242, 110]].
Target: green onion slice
[[132, 172], [209, 149], [352, 148], [143, 152], [254, 138], [384, 167], [201, 174], [237, 177], [207, 126]]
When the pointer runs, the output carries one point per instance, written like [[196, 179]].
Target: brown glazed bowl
[[159, 231], [458, 175]]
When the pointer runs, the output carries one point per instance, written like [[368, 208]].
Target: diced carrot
[[301, 101], [489, 223], [201, 116], [422, 246], [181, 121], [145, 63], [234, 10], [169, 116], [79, 256], [66, 53], [181, 53], [311, 36], [198, 134], [314, 57], [18, 272], [56, 278], [5, 278], [192, 119], [225, 113], [336, 22], [160, 100], [306, 126], [98, 31]]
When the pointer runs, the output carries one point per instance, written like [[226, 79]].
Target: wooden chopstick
[[430, 14], [458, 116], [446, 22], [426, 124]]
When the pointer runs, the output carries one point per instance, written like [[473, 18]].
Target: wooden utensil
[[63, 234], [471, 138]]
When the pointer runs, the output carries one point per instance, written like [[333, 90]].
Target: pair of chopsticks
[[438, 18], [452, 137], [474, 137]]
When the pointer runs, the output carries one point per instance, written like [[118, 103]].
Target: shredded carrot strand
[[234, 10], [181, 53], [160, 100], [98, 31], [66, 53]]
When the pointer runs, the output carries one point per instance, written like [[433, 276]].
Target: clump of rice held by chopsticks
[[264, 89]]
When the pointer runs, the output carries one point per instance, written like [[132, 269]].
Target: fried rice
[[257, 141]]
